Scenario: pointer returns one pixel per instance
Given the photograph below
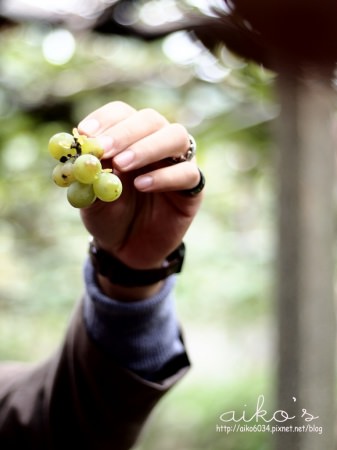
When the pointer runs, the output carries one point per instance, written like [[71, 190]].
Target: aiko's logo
[[264, 415]]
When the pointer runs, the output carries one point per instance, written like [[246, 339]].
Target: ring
[[189, 154], [198, 188]]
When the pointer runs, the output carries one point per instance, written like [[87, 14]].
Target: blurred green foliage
[[225, 296]]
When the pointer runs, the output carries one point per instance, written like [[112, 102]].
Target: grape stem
[[76, 145]]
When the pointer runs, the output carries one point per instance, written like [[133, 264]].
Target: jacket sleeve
[[78, 397]]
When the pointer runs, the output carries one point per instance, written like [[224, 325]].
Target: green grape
[[60, 146], [86, 168], [80, 195], [107, 187], [63, 174], [91, 145]]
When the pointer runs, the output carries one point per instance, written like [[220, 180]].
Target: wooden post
[[305, 298]]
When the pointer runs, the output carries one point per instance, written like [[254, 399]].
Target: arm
[[80, 396], [89, 393], [143, 337]]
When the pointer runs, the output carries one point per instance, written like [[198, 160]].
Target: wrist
[[119, 280]]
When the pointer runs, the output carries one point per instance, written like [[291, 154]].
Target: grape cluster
[[80, 170]]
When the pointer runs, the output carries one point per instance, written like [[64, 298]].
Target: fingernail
[[88, 126], [124, 159], [144, 182], [105, 142]]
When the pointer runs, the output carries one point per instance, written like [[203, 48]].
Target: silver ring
[[192, 149]]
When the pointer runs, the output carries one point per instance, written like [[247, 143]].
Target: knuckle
[[154, 116], [121, 138], [196, 178], [118, 104], [180, 131], [194, 175], [179, 128]]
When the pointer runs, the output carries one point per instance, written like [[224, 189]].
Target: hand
[[151, 217]]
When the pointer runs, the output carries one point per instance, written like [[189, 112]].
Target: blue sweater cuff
[[141, 336]]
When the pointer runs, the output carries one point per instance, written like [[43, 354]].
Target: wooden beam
[[305, 297]]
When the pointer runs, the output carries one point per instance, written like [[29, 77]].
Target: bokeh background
[[52, 75]]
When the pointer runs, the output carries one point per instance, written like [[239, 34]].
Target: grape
[[107, 186], [60, 146], [63, 174], [86, 168], [80, 195], [80, 169], [91, 145]]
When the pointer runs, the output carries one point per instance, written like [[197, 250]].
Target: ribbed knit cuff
[[142, 336]]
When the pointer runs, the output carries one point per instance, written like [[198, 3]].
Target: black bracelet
[[119, 273]]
